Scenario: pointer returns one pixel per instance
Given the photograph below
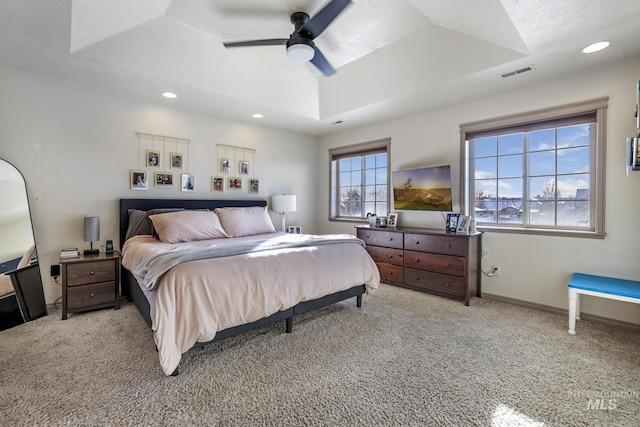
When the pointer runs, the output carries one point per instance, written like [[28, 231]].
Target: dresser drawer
[[83, 273], [387, 255], [388, 239], [446, 264], [434, 282], [89, 295], [390, 273], [437, 244]]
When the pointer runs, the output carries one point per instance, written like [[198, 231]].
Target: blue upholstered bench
[[605, 287]]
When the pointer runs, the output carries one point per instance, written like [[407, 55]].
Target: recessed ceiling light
[[595, 47], [169, 95], [257, 116]]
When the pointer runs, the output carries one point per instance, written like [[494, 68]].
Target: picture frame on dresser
[[463, 224], [392, 219], [452, 222]]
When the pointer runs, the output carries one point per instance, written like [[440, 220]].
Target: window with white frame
[[359, 180], [539, 172]]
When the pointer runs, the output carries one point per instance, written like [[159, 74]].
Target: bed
[[203, 270]]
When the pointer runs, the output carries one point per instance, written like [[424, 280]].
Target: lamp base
[[91, 251]]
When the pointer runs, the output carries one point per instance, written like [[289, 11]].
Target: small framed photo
[[463, 224], [243, 167], [254, 186], [295, 229], [235, 183], [176, 160], [188, 182], [138, 180], [452, 222], [217, 183], [153, 159], [225, 165], [392, 220], [163, 179]]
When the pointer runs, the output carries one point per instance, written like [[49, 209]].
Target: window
[[359, 180], [541, 172]]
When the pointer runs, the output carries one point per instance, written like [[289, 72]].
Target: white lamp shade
[[91, 228], [283, 203]]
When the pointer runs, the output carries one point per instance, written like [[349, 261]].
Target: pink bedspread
[[195, 299]]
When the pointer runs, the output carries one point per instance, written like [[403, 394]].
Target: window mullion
[[526, 191]]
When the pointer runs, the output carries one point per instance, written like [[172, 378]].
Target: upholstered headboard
[[147, 204]]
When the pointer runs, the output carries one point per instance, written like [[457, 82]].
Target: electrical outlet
[[496, 270], [55, 270]]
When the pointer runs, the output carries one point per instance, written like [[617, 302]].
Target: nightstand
[[90, 282]]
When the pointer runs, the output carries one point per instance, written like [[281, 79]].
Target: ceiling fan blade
[[322, 64], [265, 42], [316, 25]]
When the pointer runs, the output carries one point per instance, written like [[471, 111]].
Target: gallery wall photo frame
[[225, 166], [254, 186], [188, 182], [163, 179], [235, 183], [153, 159], [177, 160], [138, 180], [217, 183], [243, 167]]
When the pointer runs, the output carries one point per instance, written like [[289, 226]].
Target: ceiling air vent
[[518, 71]]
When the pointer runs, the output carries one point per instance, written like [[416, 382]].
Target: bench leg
[[574, 313]]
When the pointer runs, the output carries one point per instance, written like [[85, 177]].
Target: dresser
[[90, 282], [427, 260]]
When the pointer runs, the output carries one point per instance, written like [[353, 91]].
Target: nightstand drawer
[[89, 295], [83, 273], [434, 262], [387, 255]]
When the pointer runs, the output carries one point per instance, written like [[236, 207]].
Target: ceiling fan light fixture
[[300, 53]]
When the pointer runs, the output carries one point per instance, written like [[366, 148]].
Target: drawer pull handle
[[416, 260], [448, 245], [92, 273], [390, 256], [417, 278], [448, 285], [417, 242], [92, 295], [391, 239], [448, 265]]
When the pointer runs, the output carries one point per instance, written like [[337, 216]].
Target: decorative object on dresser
[[427, 260], [283, 205], [90, 282]]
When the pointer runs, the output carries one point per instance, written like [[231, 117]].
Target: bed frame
[[131, 289]]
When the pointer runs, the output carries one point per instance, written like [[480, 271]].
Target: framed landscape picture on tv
[[426, 189]]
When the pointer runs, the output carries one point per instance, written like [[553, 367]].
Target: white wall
[[75, 147], [534, 268]]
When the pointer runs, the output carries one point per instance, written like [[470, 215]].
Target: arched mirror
[[21, 293]]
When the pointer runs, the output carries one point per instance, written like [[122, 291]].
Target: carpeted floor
[[403, 359]]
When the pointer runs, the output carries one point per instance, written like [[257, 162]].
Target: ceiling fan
[[300, 45]]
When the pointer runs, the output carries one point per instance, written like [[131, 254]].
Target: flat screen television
[[424, 189]]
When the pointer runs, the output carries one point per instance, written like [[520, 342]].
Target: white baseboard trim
[[556, 310]]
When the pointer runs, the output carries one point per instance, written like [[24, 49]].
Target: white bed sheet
[[195, 299]]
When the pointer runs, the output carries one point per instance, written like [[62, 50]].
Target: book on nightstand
[[69, 253]]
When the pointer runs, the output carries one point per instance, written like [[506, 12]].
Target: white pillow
[[238, 222], [187, 226]]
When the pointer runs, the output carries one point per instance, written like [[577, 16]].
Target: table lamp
[[91, 233], [283, 204]]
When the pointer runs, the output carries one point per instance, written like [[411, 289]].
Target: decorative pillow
[[238, 222], [139, 222], [187, 226]]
